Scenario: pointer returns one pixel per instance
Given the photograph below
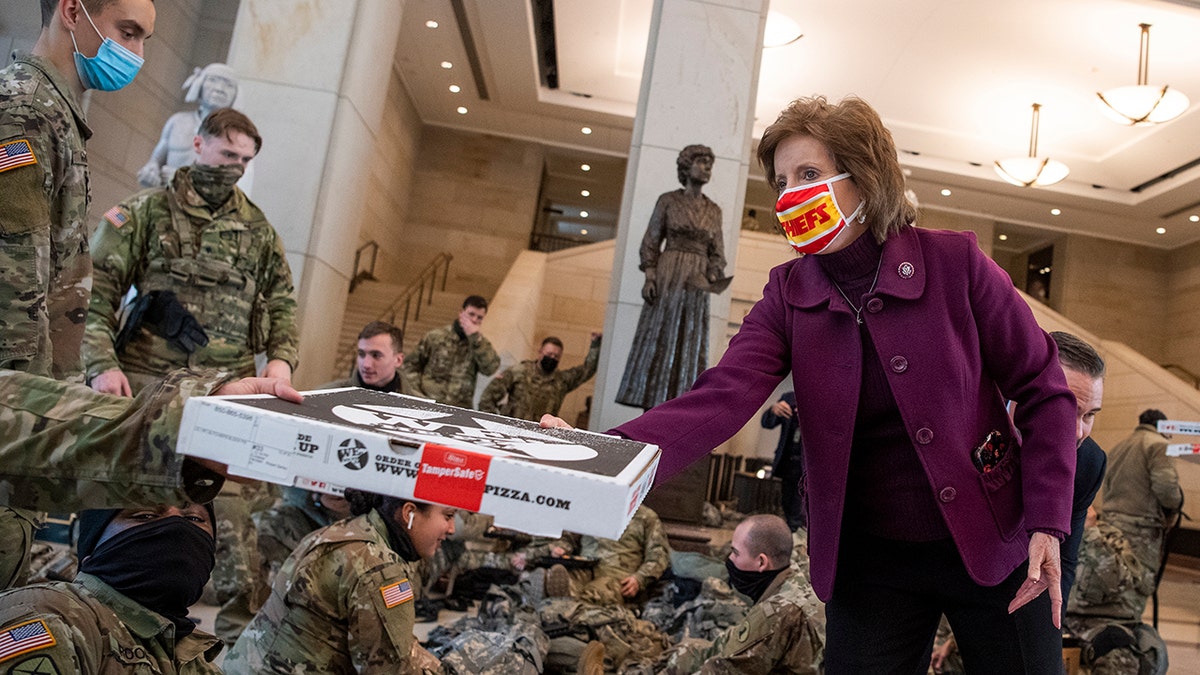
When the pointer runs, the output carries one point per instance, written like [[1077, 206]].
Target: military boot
[[558, 582], [591, 661]]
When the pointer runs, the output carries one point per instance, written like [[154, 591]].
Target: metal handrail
[[1183, 374], [367, 274], [427, 278]]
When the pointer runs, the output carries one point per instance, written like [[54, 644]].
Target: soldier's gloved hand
[[166, 317]]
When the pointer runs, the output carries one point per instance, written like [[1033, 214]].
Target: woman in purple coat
[[903, 345]]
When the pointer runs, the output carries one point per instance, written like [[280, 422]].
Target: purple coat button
[[874, 305], [947, 494], [924, 436], [899, 365]]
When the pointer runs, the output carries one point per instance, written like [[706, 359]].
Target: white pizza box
[[539, 481]]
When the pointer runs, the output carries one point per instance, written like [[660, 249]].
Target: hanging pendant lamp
[[1143, 104], [1032, 171]]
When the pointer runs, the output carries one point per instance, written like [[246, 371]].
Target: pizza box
[[539, 481]]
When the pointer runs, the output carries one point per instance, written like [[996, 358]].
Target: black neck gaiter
[[750, 584], [398, 537], [162, 565]]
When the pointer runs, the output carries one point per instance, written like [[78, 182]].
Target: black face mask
[[162, 565], [462, 334], [750, 584], [548, 364]]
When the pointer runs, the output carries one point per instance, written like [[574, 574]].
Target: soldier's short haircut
[[770, 535], [1078, 355], [477, 301], [384, 328], [223, 121], [1151, 416], [93, 7], [553, 341]]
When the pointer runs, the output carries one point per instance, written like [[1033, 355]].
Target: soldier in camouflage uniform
[[126, 611], [280, 528], [1105, 609], [626, 567], [44, 198], [204, 240], [343, 601], [447, 360], [1141, 489], [533, 388], [784, 632]]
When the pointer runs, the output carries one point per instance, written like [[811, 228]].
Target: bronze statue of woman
[[682, 255]]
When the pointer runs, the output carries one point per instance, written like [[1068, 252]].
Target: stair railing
[[368, 274], [409, 301]]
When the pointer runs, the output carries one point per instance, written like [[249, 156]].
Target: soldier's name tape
[[1178, 427]]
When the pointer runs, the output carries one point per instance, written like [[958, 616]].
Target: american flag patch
[[397, 593], [24, 638], [16, 153], [116, 216]]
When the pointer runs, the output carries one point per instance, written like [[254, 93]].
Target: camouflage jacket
[[642, 550], [64, 447], [444, 366], [226, 265], [43, 232], [281, 528], [1141, 480], [1113, 582], [784, 632], [531, 393], [341, 603], [86, 627]]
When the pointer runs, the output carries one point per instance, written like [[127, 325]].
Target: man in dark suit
[[788, 465]]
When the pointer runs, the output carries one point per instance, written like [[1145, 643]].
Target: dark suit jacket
[[785, 453], [1090, 463]]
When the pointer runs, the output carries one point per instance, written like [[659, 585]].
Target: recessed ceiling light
[[1194, 219], [462, 110], [1056, 212], [583, 214], [454, 89], [1003, 237], [431, 24], [585, 131], [781, 30], [1161, 230], [585, 193], [447, 65], [585, 167], [583, 232], [946, 192]]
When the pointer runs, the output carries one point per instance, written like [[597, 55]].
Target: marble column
[[699, 85], [314, 76]]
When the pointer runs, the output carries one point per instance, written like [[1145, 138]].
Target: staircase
[[371, 300]]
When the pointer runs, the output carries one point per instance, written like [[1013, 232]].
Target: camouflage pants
[[628, 641], [237, 577], [16, 541]]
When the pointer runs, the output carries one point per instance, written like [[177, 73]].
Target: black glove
[[163, 315]]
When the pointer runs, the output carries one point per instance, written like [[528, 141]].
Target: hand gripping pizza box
[[539, 481]]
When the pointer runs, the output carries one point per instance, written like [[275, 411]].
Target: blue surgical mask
[[111, 68]]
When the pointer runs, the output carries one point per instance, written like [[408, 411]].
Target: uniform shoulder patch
[[117, 216], [23, 638], [36, 665], [397, 593], [16, 153]]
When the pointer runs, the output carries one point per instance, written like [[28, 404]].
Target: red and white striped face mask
[[810, 215]]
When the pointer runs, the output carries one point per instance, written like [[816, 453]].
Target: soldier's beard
[[215, 183]]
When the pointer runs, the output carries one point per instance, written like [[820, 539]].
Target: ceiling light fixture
[[946, 192], [781, 30], [585, 167], [447, 65], [585, 131], [588, 193], [1161, 230], [1143, 104], [1056, 212], [431, 24], [583, 214], [454, 89], [1003, 237], [462, 110], [583, 231], [1194, 219], [1032, 171]]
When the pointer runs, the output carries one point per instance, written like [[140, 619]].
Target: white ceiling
[[953, 80]]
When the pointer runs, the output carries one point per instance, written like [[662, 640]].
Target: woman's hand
[[1045, 573]]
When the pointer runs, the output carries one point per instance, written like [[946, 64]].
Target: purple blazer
[[956, 341]]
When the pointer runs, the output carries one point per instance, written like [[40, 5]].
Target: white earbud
[[410, 519]]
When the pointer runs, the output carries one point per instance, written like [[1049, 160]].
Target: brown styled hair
[[222, 121], [383, 328]]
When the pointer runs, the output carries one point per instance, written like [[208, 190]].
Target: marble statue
[[214, 86]]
